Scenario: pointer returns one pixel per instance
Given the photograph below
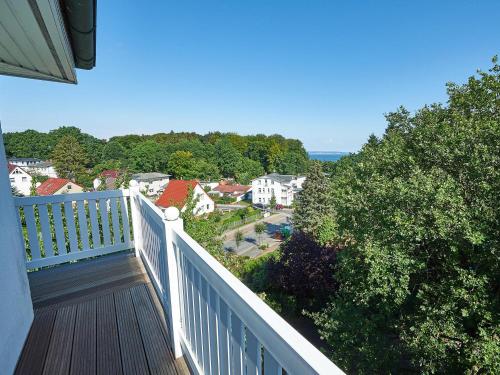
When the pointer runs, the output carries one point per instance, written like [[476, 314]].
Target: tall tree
[[228, 157], [248, 169], [148, 156], [181, 165], [314, 213], [69, 158], [417, 211]]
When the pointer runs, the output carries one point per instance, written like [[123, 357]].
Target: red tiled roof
[[176, 193], [11, 167], [51, 185], [231, 189], [110, 173]]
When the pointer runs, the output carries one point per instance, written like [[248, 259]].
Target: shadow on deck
[[97, 316]]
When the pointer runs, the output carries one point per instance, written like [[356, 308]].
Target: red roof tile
[[110, 173], [51, 185], [11, 167], [176, 193], [231, 189]]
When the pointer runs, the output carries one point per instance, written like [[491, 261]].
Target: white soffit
[[34, 42]]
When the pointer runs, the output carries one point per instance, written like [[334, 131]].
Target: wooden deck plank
[[180, 363], [158, 354], [102, 318], [74, 282], [53, 276], [71, 296], [60, 272], [108, 353], [33, 356], [59, 353], [83, 357], [131, 347]]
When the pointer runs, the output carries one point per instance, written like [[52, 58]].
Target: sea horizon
[[326, 155]]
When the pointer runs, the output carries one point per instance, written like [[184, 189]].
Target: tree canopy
[[69, 158], [184, 155], [417, 216]]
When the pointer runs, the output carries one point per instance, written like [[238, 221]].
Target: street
[[250, 244]]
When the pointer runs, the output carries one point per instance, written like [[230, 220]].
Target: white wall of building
[[153, 187], [264, 188], [21, 180], [48, 171], [205, 204], [16, 309]]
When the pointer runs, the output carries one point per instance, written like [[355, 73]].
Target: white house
[[24, 162], [20, 179], [282, 187], [151, 183], [43, 168], [177, 192]]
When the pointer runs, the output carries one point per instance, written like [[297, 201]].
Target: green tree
[[90, 144], [272, 201], [69, 158], [248, 169], [228, 157], [417, 216], [259, 229], [238, 238], [274, 157], [113, 151], [182, 165], [148, 156], [206, 171], [314, 210]]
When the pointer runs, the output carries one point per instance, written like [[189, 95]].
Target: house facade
[[53, 186], [283, 187], [20, 179], [43, 168], [151, 183], [24, 162], [236, 191], [177, 193]]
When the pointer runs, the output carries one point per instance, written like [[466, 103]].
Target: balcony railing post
[[136, 216], [172, 222]]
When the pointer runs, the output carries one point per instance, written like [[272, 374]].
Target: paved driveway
[[250, 244]]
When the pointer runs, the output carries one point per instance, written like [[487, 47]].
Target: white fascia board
[[34, 42]]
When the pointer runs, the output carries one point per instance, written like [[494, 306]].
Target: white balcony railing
[[219, 324], [215, 321], [68, 227]]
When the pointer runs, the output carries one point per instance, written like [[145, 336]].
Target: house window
[[208, 206], [25, 179], [12, 180], [69, 187]]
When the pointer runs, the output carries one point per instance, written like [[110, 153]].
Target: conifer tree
[[314, 208], [69, 158]]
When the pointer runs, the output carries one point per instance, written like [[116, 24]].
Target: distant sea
[[326, 155]]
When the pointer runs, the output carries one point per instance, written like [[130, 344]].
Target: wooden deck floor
[[99, 316]]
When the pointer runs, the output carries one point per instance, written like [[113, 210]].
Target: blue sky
[[324, 72]]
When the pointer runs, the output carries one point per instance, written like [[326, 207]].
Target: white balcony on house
[[119, 287]]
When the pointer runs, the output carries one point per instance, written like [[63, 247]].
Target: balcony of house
[[118, 287]]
